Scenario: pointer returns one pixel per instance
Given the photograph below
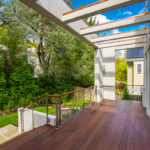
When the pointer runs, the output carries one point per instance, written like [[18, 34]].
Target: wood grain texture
[[109, 125]]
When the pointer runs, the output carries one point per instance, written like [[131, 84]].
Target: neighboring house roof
[[135, 53]]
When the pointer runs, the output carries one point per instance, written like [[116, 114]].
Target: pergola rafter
[[96, 8], [129, 21], [54, 10], [120, 35], [126, 41]]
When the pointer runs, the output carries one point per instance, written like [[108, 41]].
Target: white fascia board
[[53, 9], [116, 24], [96, 8], [120, 35], [121, 43]]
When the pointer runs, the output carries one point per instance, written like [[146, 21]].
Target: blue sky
[[117, 14]]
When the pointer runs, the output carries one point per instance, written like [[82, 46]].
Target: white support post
[[148, 83], [144, 88], [20, 120], [98, 75]]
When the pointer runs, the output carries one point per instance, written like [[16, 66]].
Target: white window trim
[[141, 69]]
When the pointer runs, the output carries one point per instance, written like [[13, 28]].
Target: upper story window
[[139, 68]]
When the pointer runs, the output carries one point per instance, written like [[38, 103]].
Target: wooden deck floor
[[110, 125]]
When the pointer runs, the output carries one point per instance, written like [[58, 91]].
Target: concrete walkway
[[8, 132]]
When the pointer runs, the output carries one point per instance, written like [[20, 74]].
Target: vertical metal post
[[90, 97], [59, 111], [96, 93], [22, 122], [46, 110], [141, 93], [32, 118], [83, 99], [90, 94]]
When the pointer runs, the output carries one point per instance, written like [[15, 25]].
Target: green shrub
[[3, 83], [23, 89], [126, 95]]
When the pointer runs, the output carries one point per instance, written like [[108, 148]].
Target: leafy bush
[[126, 95], [75, 103], [22, 86], [3, 90]]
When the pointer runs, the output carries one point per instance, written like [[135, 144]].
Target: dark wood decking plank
[[111, 125]]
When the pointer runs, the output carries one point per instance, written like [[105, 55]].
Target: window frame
[[137, 69]]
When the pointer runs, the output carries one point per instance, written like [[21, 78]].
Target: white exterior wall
[[147, 85], [109, 73], [29, 119], [105, 73], [146, 98], [98, 75], [105, 70], [138, 78]]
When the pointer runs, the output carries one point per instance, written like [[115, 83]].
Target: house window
[[139, 68]]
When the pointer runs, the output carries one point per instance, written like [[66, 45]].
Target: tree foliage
[[121, 70], [65, 60]]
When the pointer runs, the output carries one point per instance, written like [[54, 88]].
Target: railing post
[[47, 111], [59, 111], [22, 121], [90, 94], [32, 118], [83, 99], [96, 93]]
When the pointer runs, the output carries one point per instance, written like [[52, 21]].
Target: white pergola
[[105, 46]]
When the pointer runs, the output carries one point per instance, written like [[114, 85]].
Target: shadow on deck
[[109, 125]]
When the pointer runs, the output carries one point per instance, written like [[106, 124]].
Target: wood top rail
[[115, 21], [128, 85], [56, 96], [82, 89], [117, 86], [72, 11]]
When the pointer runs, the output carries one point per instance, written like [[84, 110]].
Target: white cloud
[[127, 13], [100, 19], [115, 31], [141, 11]]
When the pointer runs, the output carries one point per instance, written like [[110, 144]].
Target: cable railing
[[52, 109], [129, 92]]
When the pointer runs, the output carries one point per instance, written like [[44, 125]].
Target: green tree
[[3, 90], [22, 85], [121, 70], [69, 2], [65, 60]]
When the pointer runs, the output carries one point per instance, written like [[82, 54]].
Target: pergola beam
[[122, 42], [96, 8], [45, 8], [121, 35], [134, 20]]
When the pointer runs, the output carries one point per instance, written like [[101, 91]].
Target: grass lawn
[[51, 110], [13, 118], [8, 119]]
